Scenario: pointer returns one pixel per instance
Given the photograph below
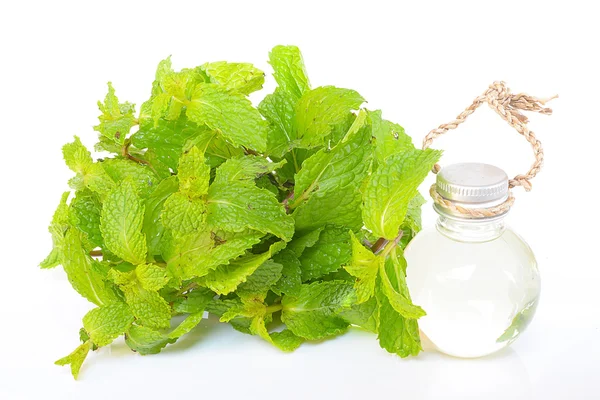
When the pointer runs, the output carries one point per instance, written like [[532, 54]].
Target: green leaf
[[152, 225], [327, 186], [151, 277], [258, 326], [96, 179], [76, 358], [390, 138], [148, 307], [226, 278], [286, 340], [257, 285], [83, 271], [393, 285], [194, 301], [339, 131], [397, 334], [364, 315], [121, 224], [89, 174], [116, 119], [146, 340], [170, 91], [107, 145], [264, 182], [196, 254], [189, 323], [235, 306], [52, 259], [236, 207], [83, 336], [244, 169], [58, 226], [364, 266], [398, 331], [289, 70], [329, 169], [85, 215], [321, 108], [251, 316], [219, 150], [104, 324], [241, 308], [391, 188], [120, 169], [161, 170], [328, 254], [168, 138], [313, 313], [303, 240], [77, 156], [279, 110], [183, 214], [229, 113], [412, 223], [413, 215], [295, 159], [241, 77], [291, 273], [194, 173]]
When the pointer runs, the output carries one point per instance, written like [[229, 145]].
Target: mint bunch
[[287, 221]]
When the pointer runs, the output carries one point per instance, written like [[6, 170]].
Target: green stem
[[274, 308], [379, 245], [296, 167], [299, 200], [286, 200], [391, 245], [125, 153], [186, 288], [250, 152]]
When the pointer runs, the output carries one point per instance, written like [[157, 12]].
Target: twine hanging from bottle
[[509, 107]]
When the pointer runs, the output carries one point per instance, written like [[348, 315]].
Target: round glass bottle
[[477, 280]]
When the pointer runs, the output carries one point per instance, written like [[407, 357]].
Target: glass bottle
[[477, 280]]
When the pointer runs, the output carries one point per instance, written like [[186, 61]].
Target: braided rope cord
[[509, 107]]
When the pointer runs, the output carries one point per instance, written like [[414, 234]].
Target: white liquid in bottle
[[477, 280]]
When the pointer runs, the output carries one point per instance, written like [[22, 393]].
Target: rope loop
[[509, 106]]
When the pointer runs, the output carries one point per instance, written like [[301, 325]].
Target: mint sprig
[[295, 211]]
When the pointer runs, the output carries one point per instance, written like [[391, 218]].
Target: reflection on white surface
[[219, 362], [217, 359], [499, 376]]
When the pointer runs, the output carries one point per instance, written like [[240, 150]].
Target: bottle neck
[[471, 230]]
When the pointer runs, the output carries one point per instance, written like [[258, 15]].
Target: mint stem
[[383, 243], [274, 308], [125, 153], [379, 245]]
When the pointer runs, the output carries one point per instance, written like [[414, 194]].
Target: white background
[[421, 64]]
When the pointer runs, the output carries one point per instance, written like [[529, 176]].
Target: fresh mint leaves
[[295, 211]]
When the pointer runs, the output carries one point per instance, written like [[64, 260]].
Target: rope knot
[[501, 100]]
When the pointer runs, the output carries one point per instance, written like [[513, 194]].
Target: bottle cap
[[473, 185]]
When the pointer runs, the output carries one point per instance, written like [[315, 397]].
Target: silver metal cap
[[473, 185]]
